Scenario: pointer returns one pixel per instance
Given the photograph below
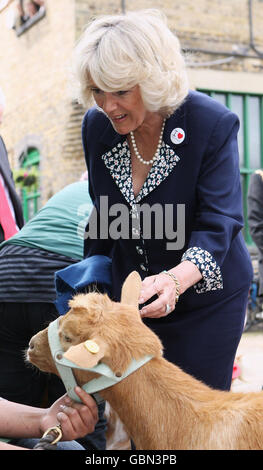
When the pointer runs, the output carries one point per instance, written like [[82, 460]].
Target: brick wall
[[33, 75], [216, 25]]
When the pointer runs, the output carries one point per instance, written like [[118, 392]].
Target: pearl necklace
[[156, 155]]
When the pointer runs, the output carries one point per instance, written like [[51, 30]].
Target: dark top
[[255, 218], [196, 182], [27, 274]]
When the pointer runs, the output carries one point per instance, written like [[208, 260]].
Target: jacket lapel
[[117, 158], [118, 162]]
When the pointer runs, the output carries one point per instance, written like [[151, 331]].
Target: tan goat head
[[92, 331]]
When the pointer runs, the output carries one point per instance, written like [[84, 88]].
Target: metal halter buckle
[[55, 430]]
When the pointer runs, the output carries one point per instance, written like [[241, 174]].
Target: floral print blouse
[[118, 162]]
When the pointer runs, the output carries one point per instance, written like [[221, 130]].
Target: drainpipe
[[251, 35], [123, 6]]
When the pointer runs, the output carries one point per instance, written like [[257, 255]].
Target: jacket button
[[143, 268], [135, 232], [134, 213], [139, 250]]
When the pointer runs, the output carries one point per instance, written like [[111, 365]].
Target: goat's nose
[[31, 343]]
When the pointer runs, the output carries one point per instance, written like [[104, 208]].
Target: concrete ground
[[249, 359]]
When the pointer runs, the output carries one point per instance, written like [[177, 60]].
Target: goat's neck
[[164, 408], [147, 400]]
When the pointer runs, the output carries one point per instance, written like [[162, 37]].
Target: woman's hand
[[76, 419], [165, 288]]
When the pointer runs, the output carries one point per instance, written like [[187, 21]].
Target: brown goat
[[161, 406]]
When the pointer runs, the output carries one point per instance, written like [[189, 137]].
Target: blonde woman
[[164, 177]]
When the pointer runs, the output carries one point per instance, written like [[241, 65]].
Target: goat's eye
[[67, 339]]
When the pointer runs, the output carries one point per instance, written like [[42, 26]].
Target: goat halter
[[64, 366]]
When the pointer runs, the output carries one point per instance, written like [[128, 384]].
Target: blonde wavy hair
[[117, 52]]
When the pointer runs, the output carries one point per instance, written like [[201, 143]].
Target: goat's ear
[[83, 304], [86, 354], [131, 289]]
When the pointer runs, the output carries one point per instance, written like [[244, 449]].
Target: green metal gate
[[249, 108]]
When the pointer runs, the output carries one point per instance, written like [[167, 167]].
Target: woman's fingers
[[164, 287]]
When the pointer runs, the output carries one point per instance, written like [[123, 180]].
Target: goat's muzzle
[[38, 353]]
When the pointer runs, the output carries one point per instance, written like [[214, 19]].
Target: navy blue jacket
[[206, 180]]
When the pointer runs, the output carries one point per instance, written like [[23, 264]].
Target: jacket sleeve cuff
[[211, 272]]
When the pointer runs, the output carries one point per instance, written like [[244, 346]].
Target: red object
[[236, 371], [6, 218]]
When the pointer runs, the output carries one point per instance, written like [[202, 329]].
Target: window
[[249, 108], [28, 12], [28, 180]]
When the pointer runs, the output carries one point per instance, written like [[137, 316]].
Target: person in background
[[151, 143], [11, 213], [26, 9], [22, 425], [255, 219], [49, 242], [31, 7]]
